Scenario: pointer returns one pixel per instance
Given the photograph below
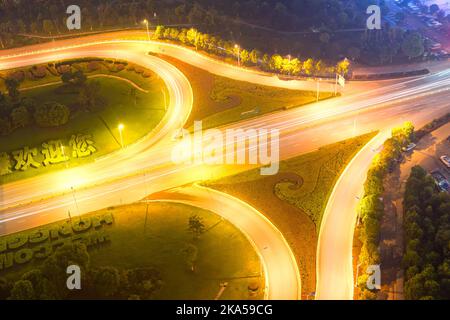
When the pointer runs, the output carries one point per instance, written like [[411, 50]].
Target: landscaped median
[[219, 100], [294, 199], [138, 251], [66, 113], [371, 206]]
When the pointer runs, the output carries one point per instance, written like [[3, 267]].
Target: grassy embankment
[[219, 100], [295, 199], [140, 112], [157, 239]]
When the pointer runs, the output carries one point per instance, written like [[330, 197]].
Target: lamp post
[[121, 127], [238, 54], [148, 31]]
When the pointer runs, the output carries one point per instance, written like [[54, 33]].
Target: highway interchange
[[145, 167]]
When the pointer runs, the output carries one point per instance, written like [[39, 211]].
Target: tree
[[79, 78], [12, 85], [255, 55], [343, 66], [90, 98], [190, 252], [412, 45], [20, 117], [51, 114], [22, 290], [159, 32], [66, 77], [434, 8], [106, 281], [308, 66], [43, 289], [196, 226], [54, 267], [48, 26], [245, 56]]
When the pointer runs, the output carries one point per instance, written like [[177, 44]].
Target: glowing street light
[[148, 31], [121, 127], [236, 46]]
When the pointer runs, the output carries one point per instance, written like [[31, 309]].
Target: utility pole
[[148, 31], [238, 54]]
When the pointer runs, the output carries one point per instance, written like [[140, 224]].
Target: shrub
[[20, 117], [19, 76], [38, 72], [51, 114], [93, 66], [64, 69]]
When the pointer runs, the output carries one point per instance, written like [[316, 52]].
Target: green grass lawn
[[103, 67], [138, 118], [295, 199], [224, 253]]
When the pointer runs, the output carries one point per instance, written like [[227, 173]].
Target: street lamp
[[238, 54], [148, 31], [121, 127]]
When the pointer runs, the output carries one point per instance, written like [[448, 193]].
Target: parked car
[[409, 147], [446, 161], [440, 180]]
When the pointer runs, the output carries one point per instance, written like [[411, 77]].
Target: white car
[[446, 161], [409, 147]]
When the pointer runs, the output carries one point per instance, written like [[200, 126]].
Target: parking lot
[[428, 152]]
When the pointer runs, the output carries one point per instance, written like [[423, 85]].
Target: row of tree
[[253, 23], [371, 207], [48, 281], [427, 238], [287, 65], [18, 112]]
